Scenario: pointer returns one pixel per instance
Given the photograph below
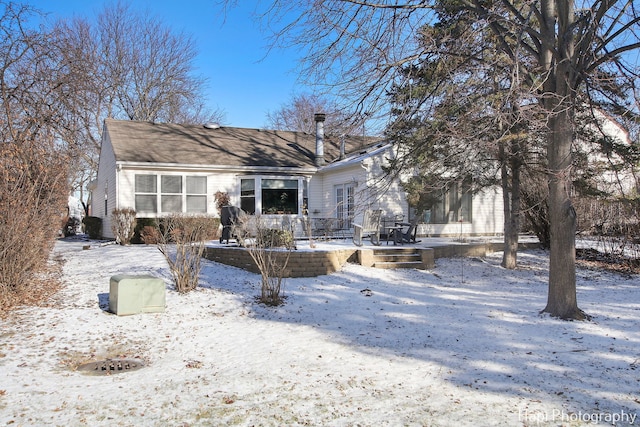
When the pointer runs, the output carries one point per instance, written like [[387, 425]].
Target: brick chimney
[[319, 118]]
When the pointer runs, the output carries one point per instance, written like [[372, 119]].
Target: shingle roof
[[148, 142]]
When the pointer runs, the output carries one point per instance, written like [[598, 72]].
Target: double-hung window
[[197, 194], [248, 195], [146, 193], [171, 193]]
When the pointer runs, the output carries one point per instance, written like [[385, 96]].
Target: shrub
[[123, 225], [150, 235], [222, 199], [143, 232], [271, 262], [93, 226], [182, 244], [275, 238], [33, 197]]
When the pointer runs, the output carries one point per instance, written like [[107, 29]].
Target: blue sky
[[244, 81]]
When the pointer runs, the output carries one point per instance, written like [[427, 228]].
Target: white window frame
[[183, 194], [257, 179]]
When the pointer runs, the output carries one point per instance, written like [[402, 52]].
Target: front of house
[[159, 169]]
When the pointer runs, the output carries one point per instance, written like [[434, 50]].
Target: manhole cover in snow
[[110, 366]]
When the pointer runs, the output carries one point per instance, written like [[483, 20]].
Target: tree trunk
[[557, 55], [512, 208], [562, 300]]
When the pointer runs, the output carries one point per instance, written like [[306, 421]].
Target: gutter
[[215, 168]]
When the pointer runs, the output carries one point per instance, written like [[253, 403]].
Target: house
[[161, 168]]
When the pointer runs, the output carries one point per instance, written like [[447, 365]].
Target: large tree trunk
[[511, 197], [557, 56], [562, 300]]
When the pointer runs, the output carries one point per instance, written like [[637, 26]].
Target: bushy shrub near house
[[93, 226], [123, 225]]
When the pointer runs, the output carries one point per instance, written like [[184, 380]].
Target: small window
[[146, 183], [197, 194], [171, 193], [248, 195]]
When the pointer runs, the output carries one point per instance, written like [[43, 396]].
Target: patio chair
[[409, 236], [370, 226]]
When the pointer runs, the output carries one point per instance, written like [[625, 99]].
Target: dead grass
[[40, 292], [593, 259]]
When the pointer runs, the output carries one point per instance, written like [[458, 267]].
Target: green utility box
[[136, 294]]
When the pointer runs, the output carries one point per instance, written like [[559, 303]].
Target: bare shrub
[[613, 224], [270, 250], [33, 197], [150, 235], [123, 225], [222, 199], [182, 240]]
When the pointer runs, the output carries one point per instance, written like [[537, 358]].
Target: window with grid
[[146, 193], [196, 194], [171, 193], [248, 195]]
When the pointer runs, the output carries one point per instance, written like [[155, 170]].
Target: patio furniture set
[[373, 225]]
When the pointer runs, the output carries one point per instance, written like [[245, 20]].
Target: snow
[[462, 344]]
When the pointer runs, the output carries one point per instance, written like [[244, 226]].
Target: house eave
[[355, 160], [216, 168]]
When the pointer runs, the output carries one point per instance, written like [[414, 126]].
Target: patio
[[320, 257]]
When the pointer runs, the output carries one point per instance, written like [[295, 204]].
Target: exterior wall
[[322, 190], [372, 190], [488, 218], [384, 194], [106, 187]]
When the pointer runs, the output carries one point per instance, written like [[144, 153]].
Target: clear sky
[[244, 81]]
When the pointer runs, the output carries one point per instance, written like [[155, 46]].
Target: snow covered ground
[[460, 345]]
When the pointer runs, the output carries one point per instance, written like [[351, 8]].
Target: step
[[395, 250], [391, 265], [397, 257]]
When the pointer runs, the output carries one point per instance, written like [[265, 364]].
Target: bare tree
[[298, 114], [128, 65], [356, 47]]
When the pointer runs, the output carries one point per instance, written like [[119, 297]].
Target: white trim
[[215, 168]]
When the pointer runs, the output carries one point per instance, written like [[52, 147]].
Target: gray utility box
[[136, 294]]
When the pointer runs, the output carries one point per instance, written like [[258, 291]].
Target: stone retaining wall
[[301, 263], [321, 262]]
